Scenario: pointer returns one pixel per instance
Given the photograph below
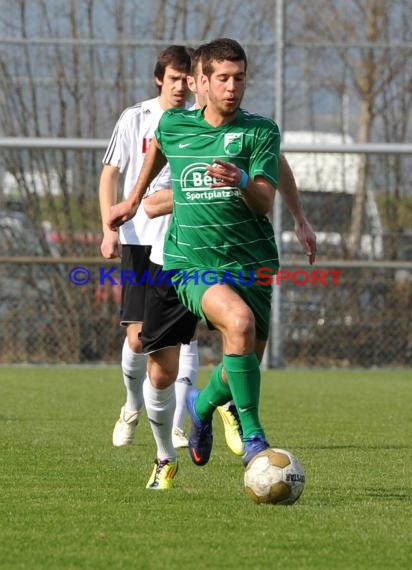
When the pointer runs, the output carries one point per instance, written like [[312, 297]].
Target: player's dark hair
[[178, 57], [222, 49], [196, 57]]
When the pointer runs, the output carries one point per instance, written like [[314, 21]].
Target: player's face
[[173, 88], [226, 87]]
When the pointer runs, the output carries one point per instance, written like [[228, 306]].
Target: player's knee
[[134, 344], [133, 337], [242, 322], [161, 373]]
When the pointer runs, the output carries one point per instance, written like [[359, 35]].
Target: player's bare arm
[[110, 246], [290, 194], [152, 165], [159, 204], [258, 193]]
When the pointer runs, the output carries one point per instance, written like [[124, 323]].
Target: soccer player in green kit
[[224, 165]]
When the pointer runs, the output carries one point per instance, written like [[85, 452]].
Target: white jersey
[[126, 151], [156, 254]]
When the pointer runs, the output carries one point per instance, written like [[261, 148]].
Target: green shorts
[[191, 289]]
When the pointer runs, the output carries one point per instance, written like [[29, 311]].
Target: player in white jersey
[[125, 155]]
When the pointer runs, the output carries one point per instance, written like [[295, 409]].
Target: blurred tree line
[[68, 68]]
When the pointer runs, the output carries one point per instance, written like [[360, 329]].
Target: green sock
[[244, 381], [214, 394]]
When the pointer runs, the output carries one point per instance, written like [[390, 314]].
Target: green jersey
[[213, 228]]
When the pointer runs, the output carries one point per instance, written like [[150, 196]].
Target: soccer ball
[[274, 476]]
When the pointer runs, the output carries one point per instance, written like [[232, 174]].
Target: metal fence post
[[275, 351]]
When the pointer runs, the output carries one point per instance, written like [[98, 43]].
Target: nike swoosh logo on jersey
[[183, 145]]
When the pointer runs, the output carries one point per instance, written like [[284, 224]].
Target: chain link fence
[[340, 313], [332, 316], [360, 318], [330, 73]]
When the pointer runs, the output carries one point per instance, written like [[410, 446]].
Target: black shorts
[[135, 258], [166, 321]]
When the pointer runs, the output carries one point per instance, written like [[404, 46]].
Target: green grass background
[[69, 500]]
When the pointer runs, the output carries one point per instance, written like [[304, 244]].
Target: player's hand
[[307, 238], [120, 213], [110, 246], [223, 174]]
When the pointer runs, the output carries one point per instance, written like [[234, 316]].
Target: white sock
[[134, 373], [186, 377], [160, 407]]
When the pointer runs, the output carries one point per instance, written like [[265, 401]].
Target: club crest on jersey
[[233, 143]]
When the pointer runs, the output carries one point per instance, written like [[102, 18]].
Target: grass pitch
[[69, 500]]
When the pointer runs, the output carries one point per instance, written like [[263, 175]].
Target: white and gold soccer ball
[[274, 476]]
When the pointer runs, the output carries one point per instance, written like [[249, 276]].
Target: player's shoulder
[[258, 121], [176, 117], [131, 111], [178, 112], [140, 109]]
